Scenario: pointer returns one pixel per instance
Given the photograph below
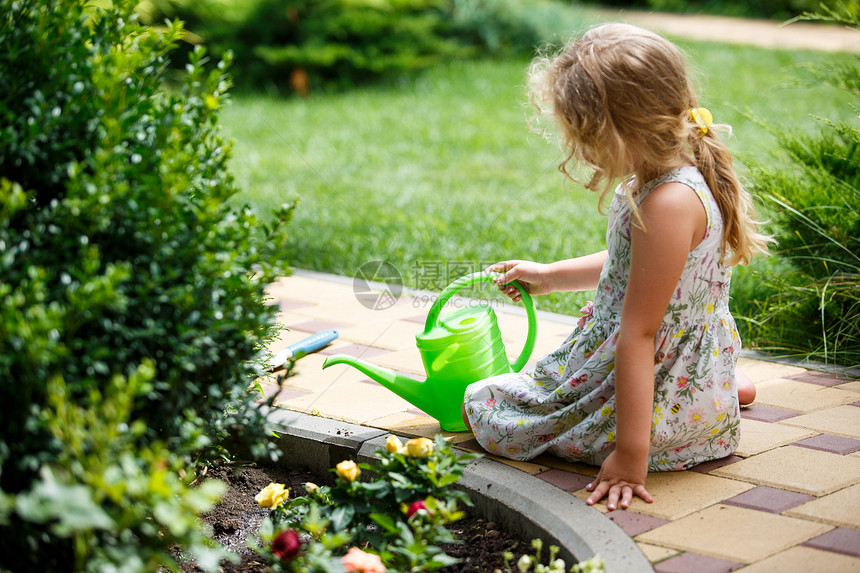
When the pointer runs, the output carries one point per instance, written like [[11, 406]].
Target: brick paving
[[788, 499]]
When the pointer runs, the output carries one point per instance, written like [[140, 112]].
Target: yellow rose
[[419, 447], [273, 495], [311, 487], [393, 444], [348, 470]]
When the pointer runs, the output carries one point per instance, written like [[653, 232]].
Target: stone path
[[763, 33], [788, 500]]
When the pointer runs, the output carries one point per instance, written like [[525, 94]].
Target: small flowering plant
[[554, 565], [307, 547], [398, 517]]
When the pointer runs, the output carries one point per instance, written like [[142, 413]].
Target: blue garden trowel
[[307, 345]]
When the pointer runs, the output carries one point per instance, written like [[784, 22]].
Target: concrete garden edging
[[521, 503]]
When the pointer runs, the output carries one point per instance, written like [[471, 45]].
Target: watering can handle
[[488, 276]]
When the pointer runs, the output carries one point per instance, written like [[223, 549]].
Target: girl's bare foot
[[746, 388]]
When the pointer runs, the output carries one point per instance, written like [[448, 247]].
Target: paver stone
[[796, 469], [839, 508], [734, 533], [805, 560]]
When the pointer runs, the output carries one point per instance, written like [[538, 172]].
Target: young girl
[[647, 380]]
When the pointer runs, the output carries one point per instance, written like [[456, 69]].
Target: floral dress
[[565, 404]]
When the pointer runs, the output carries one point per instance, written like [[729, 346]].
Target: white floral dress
[[565, 404]]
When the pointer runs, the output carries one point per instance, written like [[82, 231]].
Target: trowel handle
[[488, 276]]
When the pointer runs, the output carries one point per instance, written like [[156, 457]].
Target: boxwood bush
[[132, 311], [323, 45]]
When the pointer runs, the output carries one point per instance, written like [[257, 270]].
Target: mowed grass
[[440, 174]]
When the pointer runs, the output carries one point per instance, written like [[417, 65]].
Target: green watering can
[[462, 347]]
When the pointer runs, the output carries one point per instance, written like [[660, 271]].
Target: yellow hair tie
[[701, 117]]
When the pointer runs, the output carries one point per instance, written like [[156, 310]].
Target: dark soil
[[238, 516]]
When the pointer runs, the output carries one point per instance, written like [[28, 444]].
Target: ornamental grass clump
[[808, 304], [398, 517]]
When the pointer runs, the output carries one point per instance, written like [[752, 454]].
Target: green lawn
[[440, 173]]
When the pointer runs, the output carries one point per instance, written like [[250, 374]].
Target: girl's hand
[[534, 277], [619, 479]]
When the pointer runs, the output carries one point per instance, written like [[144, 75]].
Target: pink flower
[[416, 506], [697, 415], [586, 311], [513, 449], [357, 561], [286, 545], [682, 381], [491, 402]]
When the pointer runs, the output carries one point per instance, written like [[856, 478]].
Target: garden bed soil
[[238, 515]]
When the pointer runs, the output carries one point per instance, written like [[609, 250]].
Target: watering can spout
[[412, 390]]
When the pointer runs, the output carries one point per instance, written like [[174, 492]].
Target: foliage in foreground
[[400, 513], [553, 565], [812, 308], [131, 293], [399, 517]]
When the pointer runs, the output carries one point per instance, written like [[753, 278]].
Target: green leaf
[[384, 521], [342, 516], [72, 506], [375, 485], [209, 558]]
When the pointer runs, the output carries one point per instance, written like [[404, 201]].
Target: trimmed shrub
[[294, 45], [303, 46], [132, 318]]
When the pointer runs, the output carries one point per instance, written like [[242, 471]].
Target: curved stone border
[[523, 504]]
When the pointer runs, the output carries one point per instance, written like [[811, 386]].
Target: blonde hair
[[622, 97]]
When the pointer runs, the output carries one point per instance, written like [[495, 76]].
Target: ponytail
[[742, 238]]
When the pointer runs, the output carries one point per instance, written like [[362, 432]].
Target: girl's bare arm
[[675, 222], [581, 273]]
